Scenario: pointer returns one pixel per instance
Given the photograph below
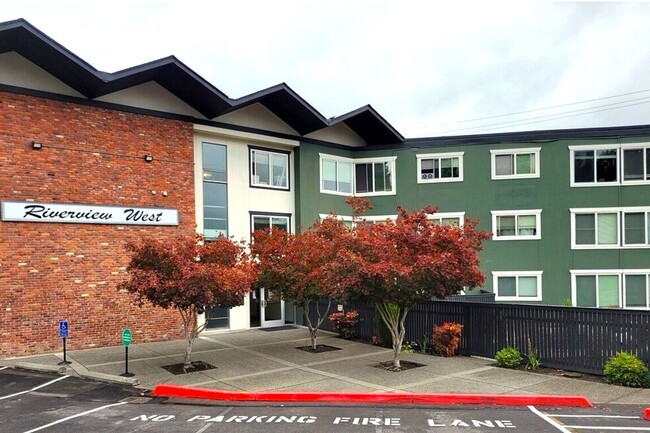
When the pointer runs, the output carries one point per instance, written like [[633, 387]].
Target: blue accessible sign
[[63, 329]]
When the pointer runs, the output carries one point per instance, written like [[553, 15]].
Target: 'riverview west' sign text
[[87, 214]]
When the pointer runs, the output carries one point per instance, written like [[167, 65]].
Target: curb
[[646, 414], [174, 391], [110, 378], [39, 367]]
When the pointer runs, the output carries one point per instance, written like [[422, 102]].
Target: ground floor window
[[517, 285], [611, 288], [217, 318], [261, 221]]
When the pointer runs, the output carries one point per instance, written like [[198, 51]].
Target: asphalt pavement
[[270, 361]]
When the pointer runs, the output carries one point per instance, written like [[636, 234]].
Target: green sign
[[126, 337]]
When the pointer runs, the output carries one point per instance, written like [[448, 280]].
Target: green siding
[[477, 195]]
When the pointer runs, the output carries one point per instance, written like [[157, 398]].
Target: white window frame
[[646, 162], [517, 213], [439, 216], [256, 182], [368, 218], [270, 216], [383, 159], [621, 274], [620, 227], [515, 152], [498, 274], [440, 156]]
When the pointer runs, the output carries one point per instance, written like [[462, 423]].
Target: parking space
[[606, 418]]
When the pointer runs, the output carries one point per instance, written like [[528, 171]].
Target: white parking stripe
[[595, 416], [552, 422], [75, 416], [2, 368], [34, 389], [587, 427]]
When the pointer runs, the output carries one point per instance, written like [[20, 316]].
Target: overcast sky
[[429, 68]]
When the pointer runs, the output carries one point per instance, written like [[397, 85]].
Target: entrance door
[[272, 311], [267, 309]]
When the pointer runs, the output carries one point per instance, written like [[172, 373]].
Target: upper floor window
[[625, 227], [515, 163], [269, 169], [261, 221], [440, 167], [452, 218], [215, 190], [516, 224], [610, 164], [368, 176]]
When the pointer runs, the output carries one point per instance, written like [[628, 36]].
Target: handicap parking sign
[[63, 329]]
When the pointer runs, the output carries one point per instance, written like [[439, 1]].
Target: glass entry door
[[272, 309]]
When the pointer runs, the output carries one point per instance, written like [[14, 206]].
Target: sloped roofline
[[21, 36]]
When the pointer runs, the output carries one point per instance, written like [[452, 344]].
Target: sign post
[[126, 340], [64, 329]]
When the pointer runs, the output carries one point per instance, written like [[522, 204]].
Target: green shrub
[[533, 359], [508, 357], [446, 338], [626, 369]]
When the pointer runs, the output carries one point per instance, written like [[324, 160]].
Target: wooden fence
[[576, 339]]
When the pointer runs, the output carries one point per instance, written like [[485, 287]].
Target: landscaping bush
[[446, 338], [508, 357], [345, 323], [626, 369]]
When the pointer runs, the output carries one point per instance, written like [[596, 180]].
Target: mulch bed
[[405, 365], [320, 348], [196, 366], [548, 371]]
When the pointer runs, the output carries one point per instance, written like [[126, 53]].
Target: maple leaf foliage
[[189, 274], [409, 260], [300, 266]]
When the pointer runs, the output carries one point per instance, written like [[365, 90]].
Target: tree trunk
[[313, 328], [191, 331], [395, 324]]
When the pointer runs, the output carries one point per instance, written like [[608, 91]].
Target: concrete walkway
[[268, 360]]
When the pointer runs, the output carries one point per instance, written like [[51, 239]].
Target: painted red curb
[[175, 391], [646, 414]]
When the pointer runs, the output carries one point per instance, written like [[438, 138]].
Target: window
[[515, 163], [453, 218], [215, 191], [267, 221], [369, 176], [518, 286], [611, 288], [516, 224], [217, 318], [610, 164], [350, 222], [636, 228], [269, 169], [636, 163], [627, 227], [443, 167]]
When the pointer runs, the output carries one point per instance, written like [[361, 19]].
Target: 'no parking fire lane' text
[[339, 420]]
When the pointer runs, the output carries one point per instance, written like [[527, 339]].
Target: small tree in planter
[[302, 266], [345, 323], [189, 274], [410, 260]]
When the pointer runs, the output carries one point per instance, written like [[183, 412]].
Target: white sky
[[424, 66]]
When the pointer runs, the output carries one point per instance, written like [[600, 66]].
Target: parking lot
[[31, 402]]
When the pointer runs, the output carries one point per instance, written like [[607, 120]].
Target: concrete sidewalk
[[268, 360]]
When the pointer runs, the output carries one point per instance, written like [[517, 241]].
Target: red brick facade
[[50, 271]]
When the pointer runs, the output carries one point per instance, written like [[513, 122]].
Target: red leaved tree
[[410, 260], [300, 266], [189, 274]]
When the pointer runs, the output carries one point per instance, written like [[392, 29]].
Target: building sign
[[87, 214]]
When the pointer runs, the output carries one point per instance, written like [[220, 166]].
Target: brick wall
[[51, 272]]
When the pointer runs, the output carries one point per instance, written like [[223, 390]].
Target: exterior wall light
[[148, 157], [37, 145]]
